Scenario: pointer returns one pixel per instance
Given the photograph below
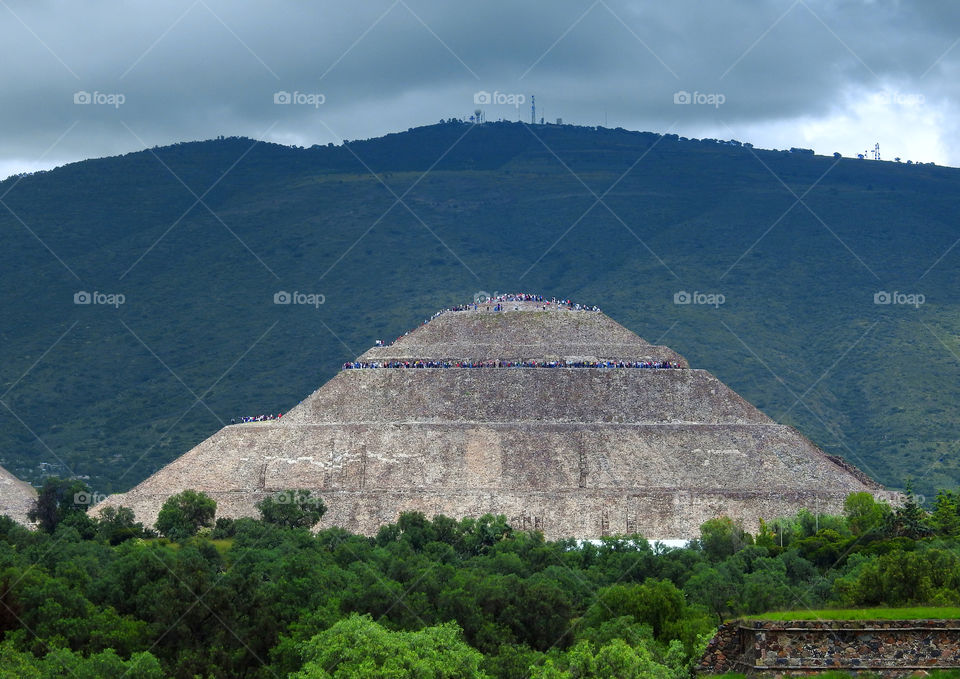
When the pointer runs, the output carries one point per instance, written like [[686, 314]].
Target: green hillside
[[502, 207]]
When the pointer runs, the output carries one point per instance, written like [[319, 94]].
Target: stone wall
[[568, 480], [16, 497], [786, 648], [547, 335], [574, 452], [576, 395], [723, 652]]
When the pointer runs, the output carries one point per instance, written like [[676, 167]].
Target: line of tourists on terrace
[[256, 418], [497, 303], [358, 365], [498, 300]]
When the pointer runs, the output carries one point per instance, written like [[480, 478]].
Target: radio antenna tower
[[533, 110], [876, 151]]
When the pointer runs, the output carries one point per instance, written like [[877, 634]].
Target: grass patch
[[913, 613], [222, 546]]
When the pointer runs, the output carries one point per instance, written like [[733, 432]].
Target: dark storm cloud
[[195, 69]]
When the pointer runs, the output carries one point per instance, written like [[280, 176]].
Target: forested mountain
[[199, 237]]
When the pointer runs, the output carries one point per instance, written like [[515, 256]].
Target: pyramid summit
[[548, 412]]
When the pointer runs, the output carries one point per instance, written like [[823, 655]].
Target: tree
[[864, 514], [59, 662], [766, 537], [614, 660], [412, 528], [59, 500], [358, 647], [903, 578], [810, 524], [657, 603], [485, 532], [117, 524], [714, 589], [544, 612], [909, 520], [292, 509], [766, 588], [946, 514], [512, 662], [721, 537], [183, 514]]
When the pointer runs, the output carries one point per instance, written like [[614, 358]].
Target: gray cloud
[[193, 70]]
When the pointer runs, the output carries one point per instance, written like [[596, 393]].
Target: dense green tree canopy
[[359, 648], [292, 509], [183, 514], [61, 500], [432, 596]]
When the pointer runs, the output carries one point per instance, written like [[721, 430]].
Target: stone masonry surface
[[574, 452], [16, 497], [782, 648]]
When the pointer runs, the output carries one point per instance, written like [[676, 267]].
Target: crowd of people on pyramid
[[256, 418], [363, 365], [495, 303]]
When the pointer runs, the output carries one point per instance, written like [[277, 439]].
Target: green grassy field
[[913, 613]]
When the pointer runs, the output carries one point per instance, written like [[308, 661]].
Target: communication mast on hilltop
[[533, 110], [876, 151]]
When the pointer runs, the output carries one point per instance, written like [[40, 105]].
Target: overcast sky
[[837, 75]]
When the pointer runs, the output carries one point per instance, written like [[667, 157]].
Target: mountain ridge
[[798, 333]]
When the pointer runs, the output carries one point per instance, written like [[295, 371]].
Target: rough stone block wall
[[16, 497], [628, 395], [547, 335], [723, 653], [786, 648], [573, 452]]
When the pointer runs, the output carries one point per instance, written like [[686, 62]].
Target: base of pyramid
[[654, 513]]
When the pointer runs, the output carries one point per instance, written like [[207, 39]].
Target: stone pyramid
[[573, 451], [16, 497]]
